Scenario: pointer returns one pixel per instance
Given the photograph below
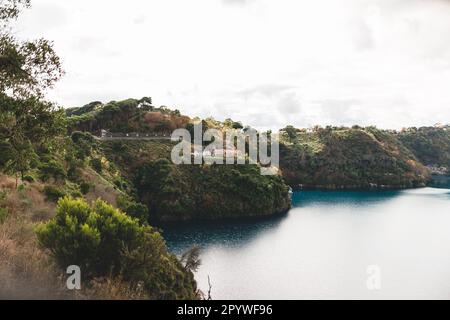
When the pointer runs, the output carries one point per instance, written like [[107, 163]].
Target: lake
[[323, 247]]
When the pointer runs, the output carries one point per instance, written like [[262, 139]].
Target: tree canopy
[[27, 70]]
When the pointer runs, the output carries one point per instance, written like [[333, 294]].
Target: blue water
[[323, 247]]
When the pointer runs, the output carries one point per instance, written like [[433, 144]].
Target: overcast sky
[[268, 63]]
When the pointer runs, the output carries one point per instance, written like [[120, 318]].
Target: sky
[[267, 63]]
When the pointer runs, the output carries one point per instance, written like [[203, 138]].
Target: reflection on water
[[441, 182], [322, 247], [305, 199], [230, 234]]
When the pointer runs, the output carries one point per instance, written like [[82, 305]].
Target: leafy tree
[[152, 175], [52, 169], [133, 209], [103, 241], [96, 164], [291, 133], [27, 70]]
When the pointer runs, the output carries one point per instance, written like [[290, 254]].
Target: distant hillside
[[431, 145], [331, 157], [129, 115], [336, 158]]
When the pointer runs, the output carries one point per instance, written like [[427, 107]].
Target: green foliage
[[27, 70], [133, 208], [356, 157], [22, 157], [152, 175], [3, 211], [85, 187], [29, 179], [229, 123], [74, 173], [431, 145], [96, 164], [208, 192], [130, 115], [83, 145], [3, 215], [6, 153], [52, 169], [104, 241], [53, 193], [291, 133], [90, 107]]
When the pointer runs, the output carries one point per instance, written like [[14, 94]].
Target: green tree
[[27, 70], [104, 241], [291, 133]]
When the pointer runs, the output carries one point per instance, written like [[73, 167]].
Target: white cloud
[[268, 62]]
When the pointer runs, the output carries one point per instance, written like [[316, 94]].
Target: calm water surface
[[321, 249]]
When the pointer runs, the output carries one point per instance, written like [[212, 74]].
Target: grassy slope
[[27, 271]]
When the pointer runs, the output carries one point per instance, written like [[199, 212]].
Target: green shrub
[[84, 143], [6, 153], [74, 173], [53, 193], [3, 195], [104, 241], [85, 187], [96, 164], [133, 209], [52, 169], [76, 194], [3, 214], [29, 179]]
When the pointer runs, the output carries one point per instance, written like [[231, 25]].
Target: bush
[[103, 241], [85, 188], [96, 164], [52, 169], [53, 193], [84, 143], [29, 179], [133, 209], [6, 153], [74, 173], [3, 215]]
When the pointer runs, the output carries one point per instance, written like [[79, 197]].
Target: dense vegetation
[[130, 115], [355, 157], [121, 256], [171, 192], [103, 241], [196, 191], [431, 145]]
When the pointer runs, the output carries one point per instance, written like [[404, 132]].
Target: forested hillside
[[337, 158], [431, 145]]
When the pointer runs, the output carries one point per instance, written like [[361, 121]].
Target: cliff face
[[336, 158]]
